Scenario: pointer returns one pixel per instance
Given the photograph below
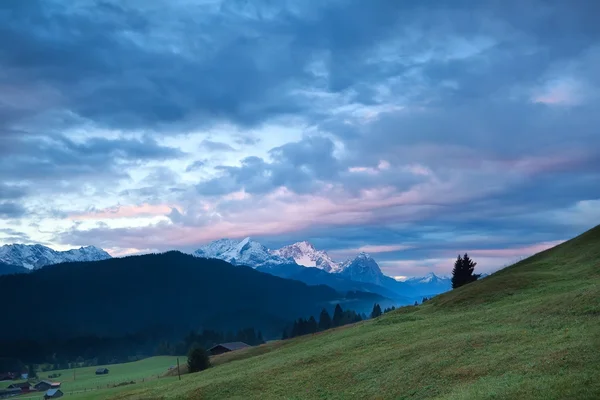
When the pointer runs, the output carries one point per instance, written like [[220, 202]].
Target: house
[[53, 394], [23, 386], [46, 385], [227, 347], [102, 371]]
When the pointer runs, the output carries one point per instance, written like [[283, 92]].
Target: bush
[[198, 359]]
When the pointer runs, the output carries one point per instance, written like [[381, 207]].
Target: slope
[[530, 331], [168, 293], [7, 269]]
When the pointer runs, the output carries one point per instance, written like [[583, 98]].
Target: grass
[[530, 331], [86, 379]]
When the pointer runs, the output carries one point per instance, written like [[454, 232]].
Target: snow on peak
[[244, 252], [363, 268], [305, 254], [37, 256]]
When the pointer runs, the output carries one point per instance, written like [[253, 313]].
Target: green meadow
[[85, 379], [530, 331]]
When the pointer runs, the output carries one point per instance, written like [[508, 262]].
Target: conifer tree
[[198, 359], [324, 320], [338, 316], [284, 336], [462, 273], [376, 311]]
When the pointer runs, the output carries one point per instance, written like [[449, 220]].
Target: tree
[[198, 359], [284, 335], [338, 316], [376, 311], [416, 303], [31, 371], [324, 320], [462, 273]]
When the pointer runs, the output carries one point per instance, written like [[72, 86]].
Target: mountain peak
[[305, 254], [244, 252]]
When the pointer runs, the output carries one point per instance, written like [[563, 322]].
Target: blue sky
[[411, 131]]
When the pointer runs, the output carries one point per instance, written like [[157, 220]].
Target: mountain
[[304, 253], [430, 284], [363, 268], [171, 291], [7, 269], [245, 252], [301, 261], [37, 256]]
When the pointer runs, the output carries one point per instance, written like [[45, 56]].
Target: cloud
[[11, 210], [128, 211], [420, 129], [215, 146], [196, 165]]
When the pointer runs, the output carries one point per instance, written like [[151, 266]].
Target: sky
[[411, 130]]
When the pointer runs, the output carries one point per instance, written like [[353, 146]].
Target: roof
[[102, 369], [49, 383], [20, 385], [52, 392], [232, 346]]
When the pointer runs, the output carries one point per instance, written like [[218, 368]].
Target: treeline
[[92, 350], [307, 326]]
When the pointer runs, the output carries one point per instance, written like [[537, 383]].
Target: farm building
[[226, 347], [23, 386], [53, 394], [102, 371], [46, 385]]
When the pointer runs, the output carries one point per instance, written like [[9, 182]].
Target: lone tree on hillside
[[462, 273], [376, 311], [198, 359]]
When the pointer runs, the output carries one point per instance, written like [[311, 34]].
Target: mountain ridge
[[37, 256]]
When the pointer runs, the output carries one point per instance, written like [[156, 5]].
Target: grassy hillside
[[530, 331]]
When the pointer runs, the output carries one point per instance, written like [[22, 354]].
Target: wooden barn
[[53, 394], [46, 385], [227, 347], [102, 371]]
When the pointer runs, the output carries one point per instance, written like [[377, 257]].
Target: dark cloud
[[215, 146], [10, 210], [32, 159], [196, 165]]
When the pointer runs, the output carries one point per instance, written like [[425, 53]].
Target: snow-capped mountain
[[429, 278], [305, 254], [37, 256], [359, 273], [363, 268], [245, 252], [430, 283]]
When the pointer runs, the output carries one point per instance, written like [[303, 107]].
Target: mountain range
[[300, 261], [37, 256]]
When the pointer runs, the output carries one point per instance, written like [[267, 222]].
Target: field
[[530, 331], [85, 379]]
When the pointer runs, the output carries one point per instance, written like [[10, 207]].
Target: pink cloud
[[129, 211], [559, 92], [516, 251]]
